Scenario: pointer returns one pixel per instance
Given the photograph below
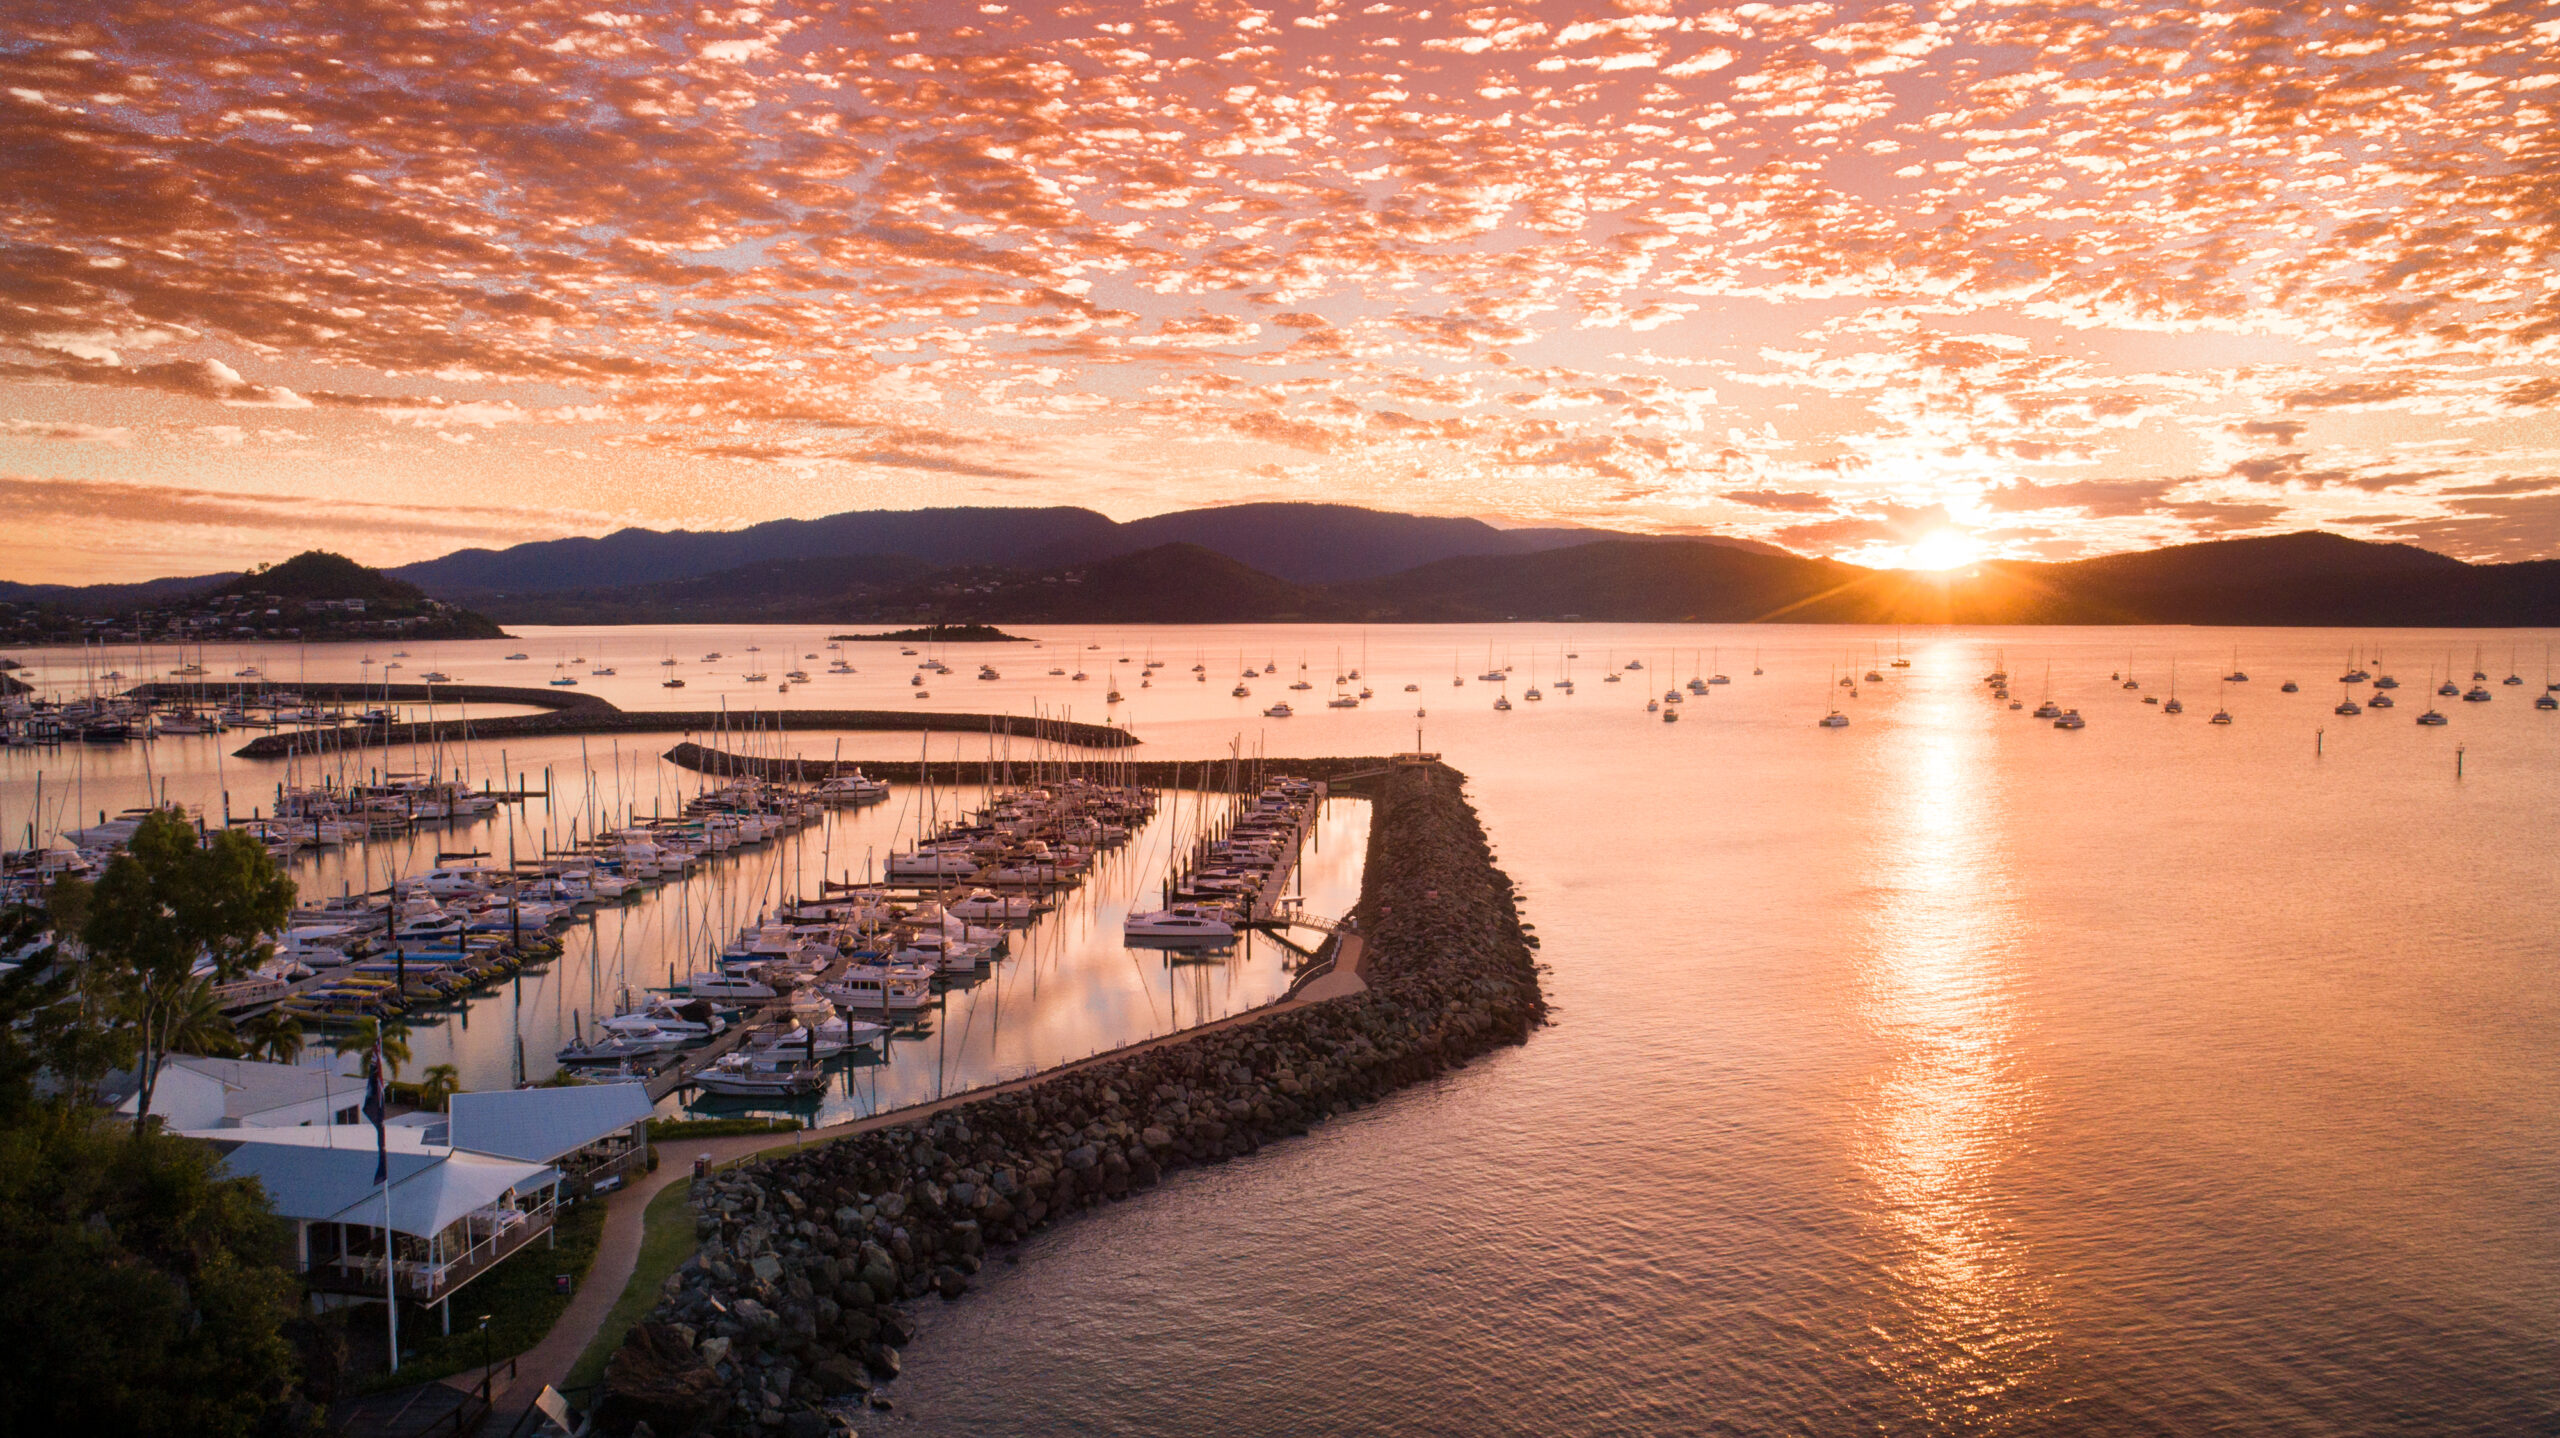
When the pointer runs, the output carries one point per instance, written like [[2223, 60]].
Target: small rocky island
[[936, 634]]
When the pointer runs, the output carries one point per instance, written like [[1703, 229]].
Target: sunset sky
[[1890, 283]]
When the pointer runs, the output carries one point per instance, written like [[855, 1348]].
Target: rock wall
[[791, 1307]]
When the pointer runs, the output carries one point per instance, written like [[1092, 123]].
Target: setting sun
[[1943, 549]]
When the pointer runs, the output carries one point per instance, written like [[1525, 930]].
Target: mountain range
[[1301, 543], [1269, 562]]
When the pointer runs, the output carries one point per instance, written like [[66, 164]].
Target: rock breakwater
[[791, 1309]]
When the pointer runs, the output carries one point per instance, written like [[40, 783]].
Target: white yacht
[[1181, 924], [758, 1075], [715, 984], [853, 788]]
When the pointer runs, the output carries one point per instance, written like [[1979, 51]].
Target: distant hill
[[1332, 543], [768, 591], [109, 598], [648, 556], [319, 574], [2305, 579], [312, 596], [2309, 578], [1301, 543], [1169, 584]]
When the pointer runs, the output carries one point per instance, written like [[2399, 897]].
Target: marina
[[1903, 847]]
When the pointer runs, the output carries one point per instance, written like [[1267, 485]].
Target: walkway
[[618, 1248]]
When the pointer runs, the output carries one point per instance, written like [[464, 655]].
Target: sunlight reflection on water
[[1952, 1105]]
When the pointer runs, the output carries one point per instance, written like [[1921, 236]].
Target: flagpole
[[377, 1107], [390, 1274]]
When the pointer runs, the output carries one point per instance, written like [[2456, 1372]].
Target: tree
[[441, 1084], [275, 1036], [359, 1040], [197, 1025], [140, 1293], [165, 903]]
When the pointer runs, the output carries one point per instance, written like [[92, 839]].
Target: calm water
[[1945, 1073]]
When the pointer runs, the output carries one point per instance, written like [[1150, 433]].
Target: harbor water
[[1942, 1073]]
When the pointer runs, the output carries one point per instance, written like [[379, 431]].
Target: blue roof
[[312, 1184], [539, 1125]]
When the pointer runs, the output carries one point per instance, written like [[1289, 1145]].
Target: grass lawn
[[518, 1295], [666, 1241], [661, 1128]]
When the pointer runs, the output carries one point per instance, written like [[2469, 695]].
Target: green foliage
[[359, 1040], [197, 1024], [436, 1092], [168, 900], [666, 1128], [139, 1294], [275, 1036]]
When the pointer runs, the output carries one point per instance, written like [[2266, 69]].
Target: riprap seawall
[[792, 1301]]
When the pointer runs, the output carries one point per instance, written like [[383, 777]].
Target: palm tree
[[436, 1091], [394, 1034], [275, 1036], [193, 1023]]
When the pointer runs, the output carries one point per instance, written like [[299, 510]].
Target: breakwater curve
[[1244, 776], [589, 714], [792, 1301]]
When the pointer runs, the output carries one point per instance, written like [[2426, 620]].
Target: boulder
[[656, 1378], [840, 1375]]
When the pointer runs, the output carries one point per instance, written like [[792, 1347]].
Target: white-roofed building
[[467, 1188], [452, 1213], [196, 1093], [585, 1131]]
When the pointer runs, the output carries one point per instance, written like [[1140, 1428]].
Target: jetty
[[1218, 775], [581, 713]]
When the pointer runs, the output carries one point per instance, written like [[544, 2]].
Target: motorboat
[[853, 788], [618, 1048], [761, 1075], [987, 904], [1833, 720], [2288, 687], [2070, 719], [2477, 695], [1280, 710], [2432, 719], [1181, 924], [830, 1037], [882, 988], [694, 1019], [717, 984], [2348, 708]]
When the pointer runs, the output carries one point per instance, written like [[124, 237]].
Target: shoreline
[[790, 1301]]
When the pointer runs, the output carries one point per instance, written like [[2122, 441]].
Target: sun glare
[[1943, 549]]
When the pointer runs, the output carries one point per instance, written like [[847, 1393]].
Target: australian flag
[[378, 1109]]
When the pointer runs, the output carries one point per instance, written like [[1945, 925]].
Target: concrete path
[[618, 1248]]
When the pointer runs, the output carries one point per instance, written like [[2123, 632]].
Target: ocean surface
[[1944, 1073]]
